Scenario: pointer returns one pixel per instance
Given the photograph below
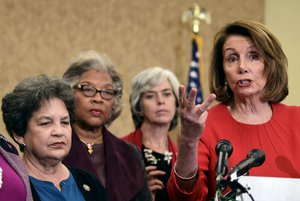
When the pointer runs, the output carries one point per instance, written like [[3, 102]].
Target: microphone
[[255, 158], [224, 151]]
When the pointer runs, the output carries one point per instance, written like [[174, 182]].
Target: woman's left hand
[[153, 181]]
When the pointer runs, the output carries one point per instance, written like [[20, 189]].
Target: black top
[[162, 162]]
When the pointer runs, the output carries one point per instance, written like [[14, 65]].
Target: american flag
[[196, 68]]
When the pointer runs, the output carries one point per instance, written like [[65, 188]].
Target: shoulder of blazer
[[89, 185]]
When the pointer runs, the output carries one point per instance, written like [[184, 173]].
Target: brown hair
[[271, 51]]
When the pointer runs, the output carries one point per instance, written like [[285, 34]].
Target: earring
[[227, 89], [23, 145]]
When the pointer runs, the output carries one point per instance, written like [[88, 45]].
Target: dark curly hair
[[28, 96]]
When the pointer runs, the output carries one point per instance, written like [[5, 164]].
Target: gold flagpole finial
[[194, 15]]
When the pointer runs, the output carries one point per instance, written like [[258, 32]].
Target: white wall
[[283, 19]]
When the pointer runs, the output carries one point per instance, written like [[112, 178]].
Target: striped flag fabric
[[196, 68]]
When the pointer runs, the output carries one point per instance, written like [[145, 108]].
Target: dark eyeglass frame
[[111, 92]]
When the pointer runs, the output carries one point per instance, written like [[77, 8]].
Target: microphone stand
[[255, 158], [236, 190], [220, 182]]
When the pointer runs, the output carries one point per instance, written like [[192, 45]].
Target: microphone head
[[225, 146], [258, 156]]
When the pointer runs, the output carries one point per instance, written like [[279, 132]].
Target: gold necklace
[[89, 146]]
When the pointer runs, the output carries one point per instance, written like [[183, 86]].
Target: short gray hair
[[144, 81], [91, 60]]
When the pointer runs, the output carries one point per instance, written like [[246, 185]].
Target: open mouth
[[244, 82]]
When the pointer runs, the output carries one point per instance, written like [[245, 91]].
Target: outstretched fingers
[[206, 104], [191, 100], [188, 103], [182, 98]]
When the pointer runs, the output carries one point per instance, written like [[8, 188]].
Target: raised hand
[[193, 116]]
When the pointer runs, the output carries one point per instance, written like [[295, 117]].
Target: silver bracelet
[[185, 178]]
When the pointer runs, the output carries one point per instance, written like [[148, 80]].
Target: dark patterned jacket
[[126, 178]]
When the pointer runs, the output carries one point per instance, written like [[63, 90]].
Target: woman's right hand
[[153, 181], [193, 118]]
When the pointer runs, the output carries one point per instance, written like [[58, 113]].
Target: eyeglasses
[[91, 91]]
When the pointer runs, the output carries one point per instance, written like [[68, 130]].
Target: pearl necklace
[[89, 146], [1, 181]]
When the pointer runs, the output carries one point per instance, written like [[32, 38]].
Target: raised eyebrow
[[229, 52], [229, 49], [252, 47], [253, 51]]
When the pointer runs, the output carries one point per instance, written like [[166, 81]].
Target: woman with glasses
[[117, 164]]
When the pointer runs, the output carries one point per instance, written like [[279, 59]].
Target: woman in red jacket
[[153, 102]]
